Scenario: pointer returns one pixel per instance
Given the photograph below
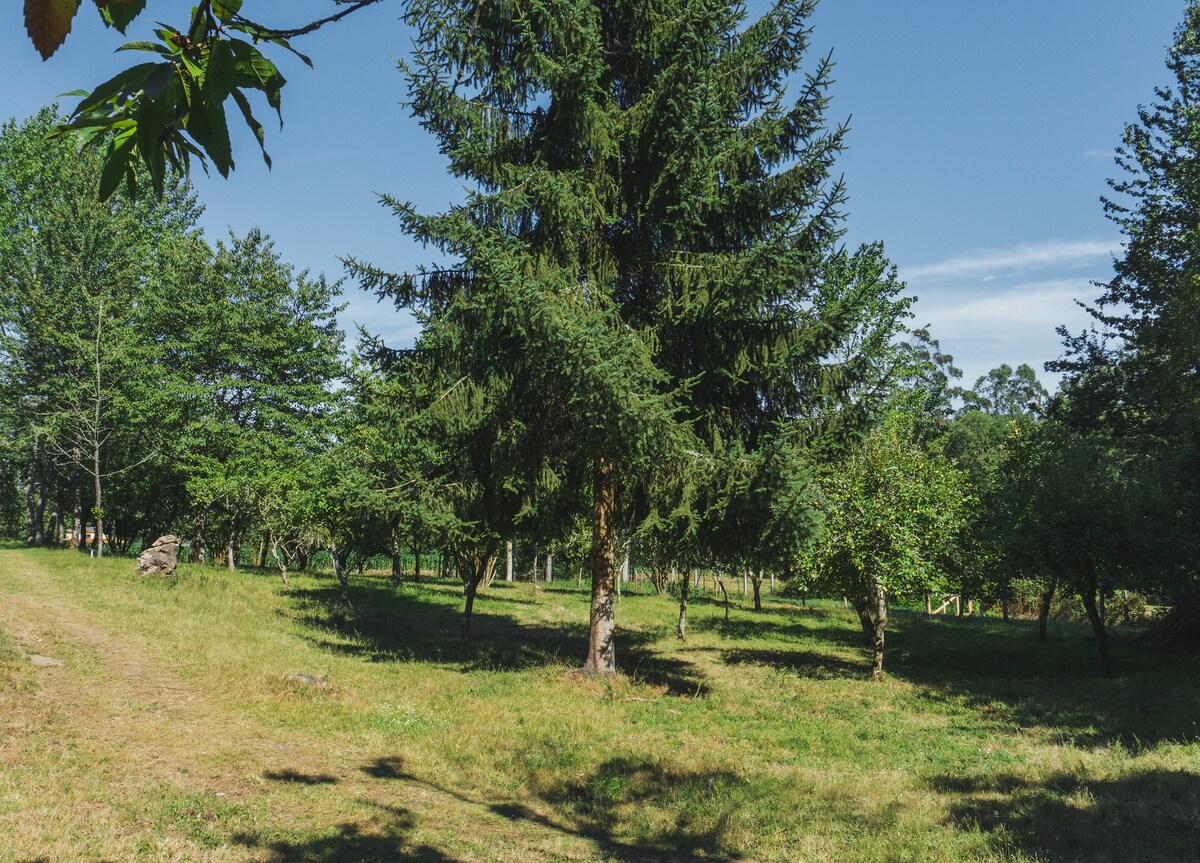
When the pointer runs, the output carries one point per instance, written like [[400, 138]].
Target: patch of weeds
[[403, 718], [206, 819]]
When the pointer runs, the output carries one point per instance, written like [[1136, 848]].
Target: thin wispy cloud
[[1016, 325], [1013, 314], [1100, 154], [985, 263]]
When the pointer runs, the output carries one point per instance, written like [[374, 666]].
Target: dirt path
[[114, 756]]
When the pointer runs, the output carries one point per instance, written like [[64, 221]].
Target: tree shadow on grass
[[797, 626], [807, 663], [1001, 670], [295, 778], [381, 626], [1148, 816], [384, 841], [594, 809]]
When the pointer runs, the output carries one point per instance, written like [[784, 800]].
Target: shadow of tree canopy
[[590, 808], [809, 663], [293, 777], [1001, 670], [381, 625], [384, 842], [1151, 816]]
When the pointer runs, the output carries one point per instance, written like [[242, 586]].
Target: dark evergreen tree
[[651, 238]]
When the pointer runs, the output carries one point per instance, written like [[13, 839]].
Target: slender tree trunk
[[280, 561], [683, 598], [76, 502], [602, 651], [724, 592], [260, 560], [33, 527], [99, 541], [508, 560], [549, 567], [756, 581], [1044, 609], [1004, 608], [339, 558], [475, 566], [416, 562], [397, 574], [862, 607], [54, 527], [879, 604], [196, 546], [1088, 595]]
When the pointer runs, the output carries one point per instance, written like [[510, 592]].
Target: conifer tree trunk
[[508, 565], [416, 562], [602, 655], [549, 567]]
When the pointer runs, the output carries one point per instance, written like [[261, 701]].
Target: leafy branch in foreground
[[170, 109]]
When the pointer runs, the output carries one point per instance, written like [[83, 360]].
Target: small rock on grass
[[305, 679], [45, 661]]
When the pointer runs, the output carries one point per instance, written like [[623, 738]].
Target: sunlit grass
[[175, 732]]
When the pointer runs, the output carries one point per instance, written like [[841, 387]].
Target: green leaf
[[220, 71], [226, 9], [116, 166], [119, 13], [126, 82], [256, 127], [143, 45], [219, 149]]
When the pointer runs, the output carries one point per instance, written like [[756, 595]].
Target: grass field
[[172, 732]]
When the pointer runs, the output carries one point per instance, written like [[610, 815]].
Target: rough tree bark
[[879, 606], [475, 566], [602, 652]]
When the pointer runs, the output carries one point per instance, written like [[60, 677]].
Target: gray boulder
[[160, 558]]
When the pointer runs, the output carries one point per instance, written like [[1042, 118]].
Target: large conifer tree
[[651, 238]]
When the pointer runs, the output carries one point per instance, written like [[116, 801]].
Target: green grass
[[172, 733]]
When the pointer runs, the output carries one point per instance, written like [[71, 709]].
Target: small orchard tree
[[1081, 515], [890, 510]]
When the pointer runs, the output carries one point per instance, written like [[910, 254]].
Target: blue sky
[[981, 138]]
